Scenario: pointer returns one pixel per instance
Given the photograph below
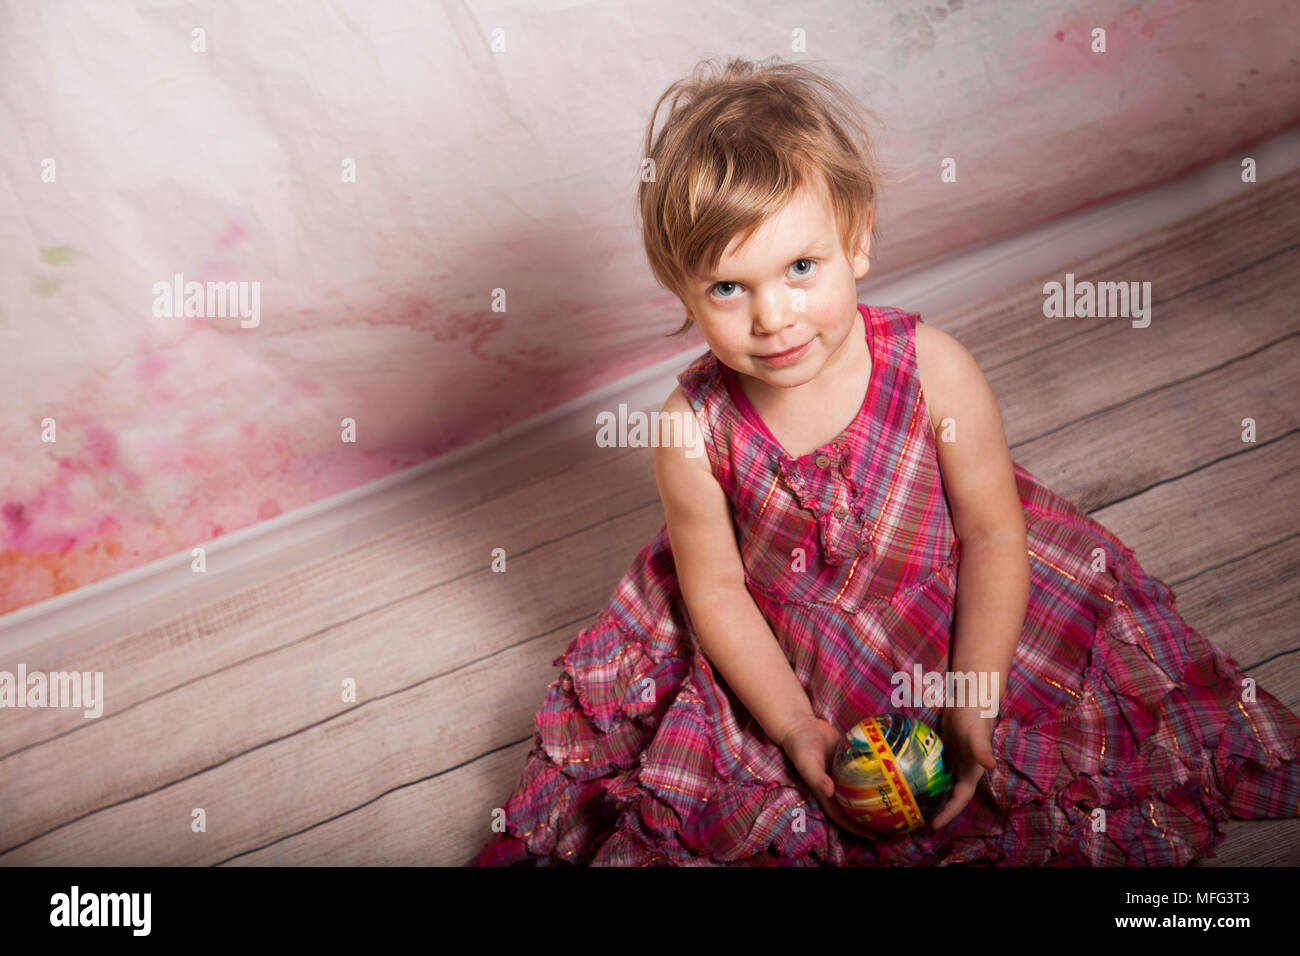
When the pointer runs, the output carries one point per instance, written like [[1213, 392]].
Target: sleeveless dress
[[643, 756]]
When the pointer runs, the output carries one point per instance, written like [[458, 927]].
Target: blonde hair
[[735, 148]]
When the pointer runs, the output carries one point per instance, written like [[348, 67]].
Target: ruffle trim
[[615, 678], [582, 799]]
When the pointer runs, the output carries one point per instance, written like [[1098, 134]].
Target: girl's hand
[[967, 738], [811, 746]]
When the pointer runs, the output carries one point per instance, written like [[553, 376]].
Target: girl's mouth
[[782, 359]]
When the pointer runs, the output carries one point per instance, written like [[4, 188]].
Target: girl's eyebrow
[[819, 245]]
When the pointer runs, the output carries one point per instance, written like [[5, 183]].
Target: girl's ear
[[862, 254]]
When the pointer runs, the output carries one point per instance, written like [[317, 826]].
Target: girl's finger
[[951, 808]]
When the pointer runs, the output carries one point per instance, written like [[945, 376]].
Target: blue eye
[[811, 266]]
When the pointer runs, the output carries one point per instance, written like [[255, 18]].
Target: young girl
[[858, 517]]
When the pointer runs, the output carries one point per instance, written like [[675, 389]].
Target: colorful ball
[[890, 775]]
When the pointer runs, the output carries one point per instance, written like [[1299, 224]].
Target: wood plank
[[1247, 605], [1169, 430], [1257, 843], [595, 485], [1231, 507], [1176, 259], [440, 821], [389, 743], [403, 647], [1107, 362]]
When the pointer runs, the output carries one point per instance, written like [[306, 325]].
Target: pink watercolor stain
[[223, 269], [15, 517], [21, 523], [101, 446], [267, 509], [148, 367], [231, 235]]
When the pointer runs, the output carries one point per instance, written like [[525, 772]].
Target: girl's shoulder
[[945, 371], [701, 380]]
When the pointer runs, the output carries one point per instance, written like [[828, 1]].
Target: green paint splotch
[[46, 286], [57, 255]]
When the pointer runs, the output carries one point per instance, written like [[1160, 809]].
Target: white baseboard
[[43, 633]]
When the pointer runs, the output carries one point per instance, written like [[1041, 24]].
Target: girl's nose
[[771, 313]]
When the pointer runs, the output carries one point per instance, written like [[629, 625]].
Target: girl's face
[[748, 310]]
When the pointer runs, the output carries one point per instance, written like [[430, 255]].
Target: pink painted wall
[[476, 169]]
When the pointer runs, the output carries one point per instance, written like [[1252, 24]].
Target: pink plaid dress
[[643, 755]]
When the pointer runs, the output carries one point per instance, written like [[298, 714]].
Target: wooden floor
[[237, 708]]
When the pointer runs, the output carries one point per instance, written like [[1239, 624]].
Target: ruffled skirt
[[1124, 737]]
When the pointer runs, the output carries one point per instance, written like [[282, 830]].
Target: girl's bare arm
[[993, 578], [735, 637]]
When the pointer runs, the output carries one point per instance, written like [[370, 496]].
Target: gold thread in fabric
[[852, 567], [1059, 686], [1253, 729], [1101, 758], [1173, 732], [771, 488], [563, 801], [1061, 571], [644, 625], [1152, 814], [669, 786], [1146, 647], [889, 492]]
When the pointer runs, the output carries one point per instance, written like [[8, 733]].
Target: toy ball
[[890, 775]]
